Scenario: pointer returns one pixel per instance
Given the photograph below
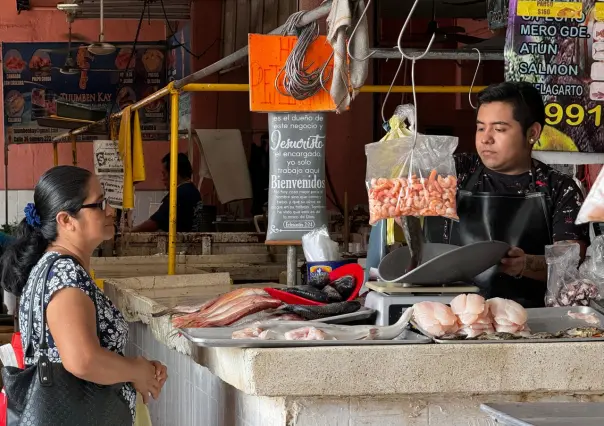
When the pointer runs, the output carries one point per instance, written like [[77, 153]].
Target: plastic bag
[[593, 266], [565, 286], [592, 209], [403, 180], [318, 247]]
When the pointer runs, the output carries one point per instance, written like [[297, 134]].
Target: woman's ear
[[65, 221], [534, 133]]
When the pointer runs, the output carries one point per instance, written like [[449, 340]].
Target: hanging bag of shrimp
[[411, 174]]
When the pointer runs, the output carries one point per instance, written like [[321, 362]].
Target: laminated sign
[[296, 196], [109, 168], [559, 47]]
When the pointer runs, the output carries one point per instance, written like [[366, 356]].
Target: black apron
[[521, 220]]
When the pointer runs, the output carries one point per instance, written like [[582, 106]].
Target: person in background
[[509, 196], [187, 196], [85, 331], [259, 174]]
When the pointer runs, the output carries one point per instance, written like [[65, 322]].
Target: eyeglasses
[[100, 205]]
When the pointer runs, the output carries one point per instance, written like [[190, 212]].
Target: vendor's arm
[[567, 200], [158, 222], [148, 225]]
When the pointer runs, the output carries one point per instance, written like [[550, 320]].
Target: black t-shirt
[[187, 197], [566, 197]]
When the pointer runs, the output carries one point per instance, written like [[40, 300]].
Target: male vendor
[[505, 195], [187, 198]]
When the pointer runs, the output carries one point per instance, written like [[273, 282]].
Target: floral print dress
[[113, 327]]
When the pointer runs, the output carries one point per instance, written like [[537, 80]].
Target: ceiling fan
[[71, 66], [444, 34], [101, 47]]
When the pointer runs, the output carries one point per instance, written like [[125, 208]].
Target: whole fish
[[226, 298], [308, 292], [227, 313], [319, 280], [345, 286], [318, 312], [182, 309], [412, 228], [277, 330], [332, 294]]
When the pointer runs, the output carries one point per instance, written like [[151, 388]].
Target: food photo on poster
[[43, 80], [563, 57]]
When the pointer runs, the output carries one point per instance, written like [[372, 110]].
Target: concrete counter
[[415, 385]]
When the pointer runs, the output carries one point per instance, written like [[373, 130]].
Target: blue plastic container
[[314, 268]]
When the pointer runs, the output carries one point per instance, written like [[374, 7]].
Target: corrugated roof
[[131, 9]]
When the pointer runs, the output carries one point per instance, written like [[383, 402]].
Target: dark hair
[[60, 189], [185, 170], [525, 99], [263, 139]]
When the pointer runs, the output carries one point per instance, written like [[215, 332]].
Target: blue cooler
[[313, 268]]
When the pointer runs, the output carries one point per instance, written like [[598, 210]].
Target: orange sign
[[267, 56]]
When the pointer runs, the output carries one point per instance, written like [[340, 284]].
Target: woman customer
[[70, 218]]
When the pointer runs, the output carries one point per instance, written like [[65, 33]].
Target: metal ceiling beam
[[442, 54]]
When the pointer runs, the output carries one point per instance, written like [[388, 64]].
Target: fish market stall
[[241, 267], [416, 383]]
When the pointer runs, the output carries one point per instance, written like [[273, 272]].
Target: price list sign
[[559, 47], [296, 196]]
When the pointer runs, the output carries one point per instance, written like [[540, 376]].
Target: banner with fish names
[[296, 193], [37, 77], [559, 47]]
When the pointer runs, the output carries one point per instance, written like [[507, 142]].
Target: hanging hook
[[354, 31], [400, 37], [413, 59], [474, 79], [398, 70]]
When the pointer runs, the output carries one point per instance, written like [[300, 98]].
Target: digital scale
[[390, 300], [441, 276]]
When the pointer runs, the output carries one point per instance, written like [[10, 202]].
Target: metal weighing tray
[[198, 337], [550, 320]]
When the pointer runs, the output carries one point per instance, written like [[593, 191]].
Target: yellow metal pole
[[74, 150], [174, 94], [204, 87], [55, 154]]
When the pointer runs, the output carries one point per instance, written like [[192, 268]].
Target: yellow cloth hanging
[[138, 158], [132, 154]]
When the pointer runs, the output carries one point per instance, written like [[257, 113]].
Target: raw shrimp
[[432, 196]]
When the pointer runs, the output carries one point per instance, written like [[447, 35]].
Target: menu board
[[296, 197], [33, 84], [559, 47]]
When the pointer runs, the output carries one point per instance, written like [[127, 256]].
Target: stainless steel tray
[[220, 337], [550, 320]]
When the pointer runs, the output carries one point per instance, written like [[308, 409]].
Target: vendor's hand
[[514, 263], [146, 382], [161, 373]]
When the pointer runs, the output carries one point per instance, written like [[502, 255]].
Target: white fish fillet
[[468, 307], [588, 318], [435, 319], [507, 312]]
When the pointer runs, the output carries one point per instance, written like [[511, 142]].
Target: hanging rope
[[298, 81]]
